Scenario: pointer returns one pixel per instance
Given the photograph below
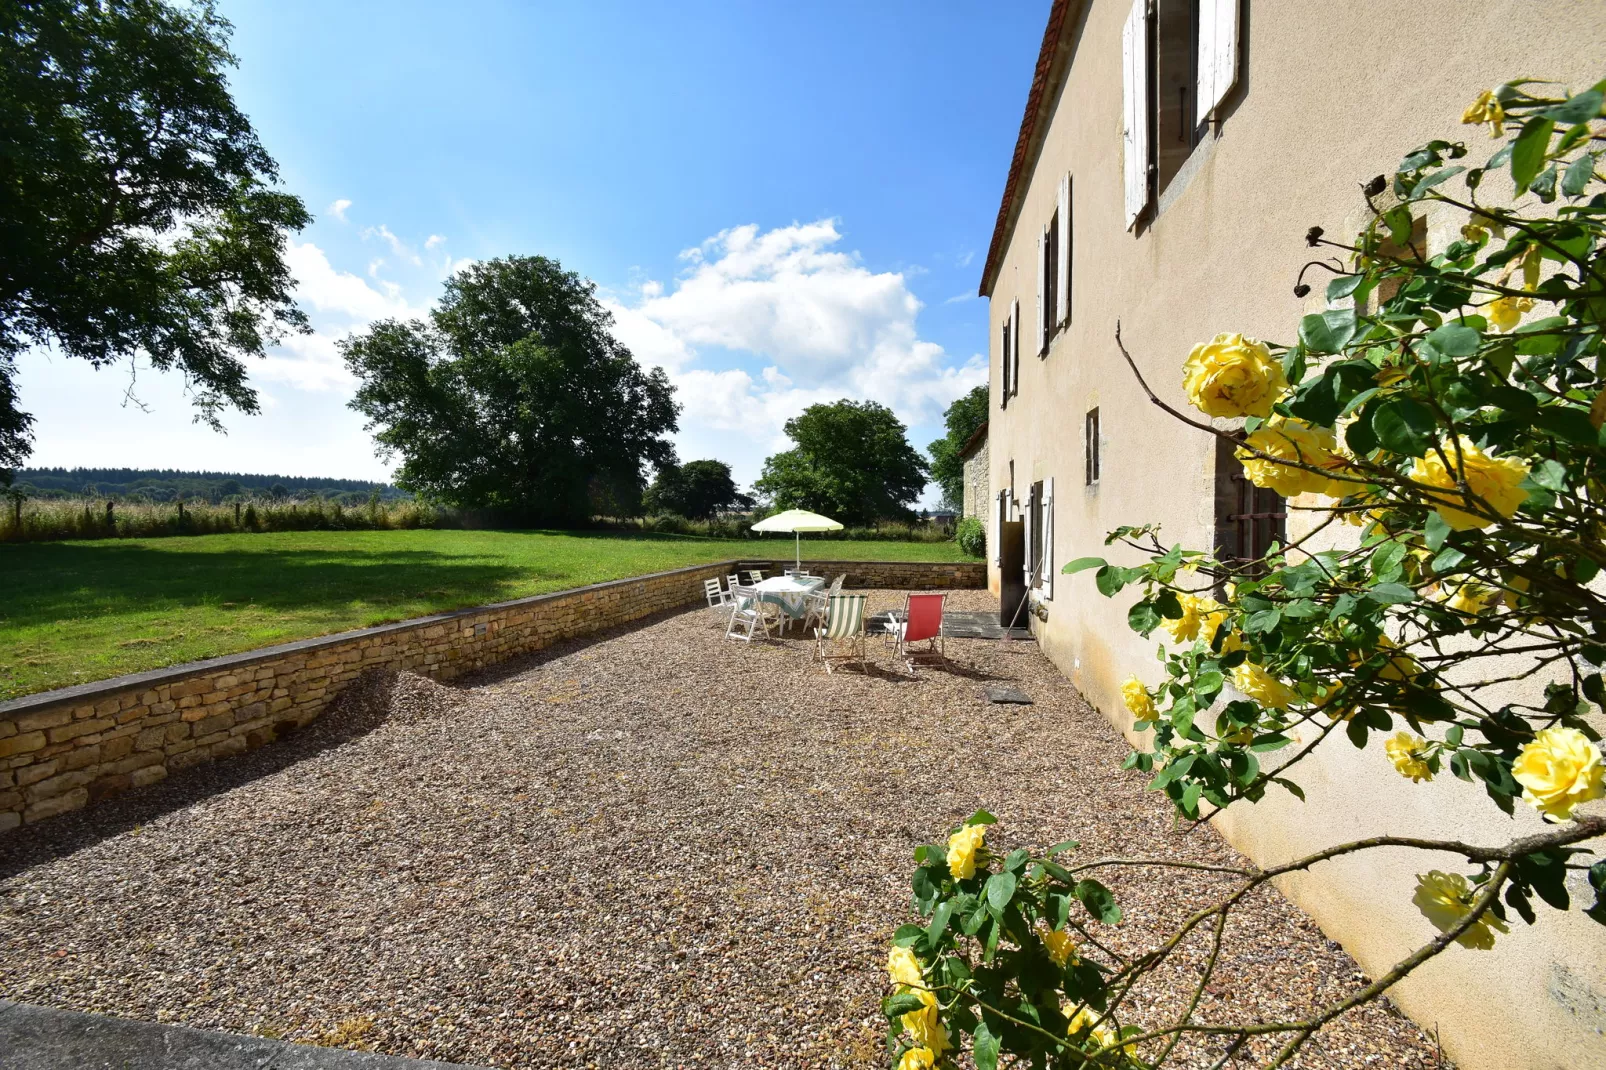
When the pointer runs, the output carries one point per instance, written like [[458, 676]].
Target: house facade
[[978, 476], [1172, 155]]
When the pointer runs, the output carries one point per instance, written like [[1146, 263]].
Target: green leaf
[[1062, 846], [1016, 860], [1082, 563], [1404, 426], [1110, 580], [1454, 340], [1143, 618], [1447, 558], [984, 1046], [1386, 560], [1059, 910], [898, 1006], [1390, 594], [1580, 108], [1567, 422], [981, 817], [1329, 331], [907, 935], [1342, 286], [1293, 789], [1528, 152], [1435, 531], [1099, 901], [939, 921], [999, 891], [1550, 475], [1576, 178], [1266, 620]]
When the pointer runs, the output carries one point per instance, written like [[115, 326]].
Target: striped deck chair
[[844, 625]]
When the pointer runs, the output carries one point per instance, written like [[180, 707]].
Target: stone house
[[1170, 159], [974, 455]]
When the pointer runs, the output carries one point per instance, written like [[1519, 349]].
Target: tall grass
[[49, 519]]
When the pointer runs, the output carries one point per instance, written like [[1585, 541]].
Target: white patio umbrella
[[796, 521]]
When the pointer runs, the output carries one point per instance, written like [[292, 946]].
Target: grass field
[[71, 612]]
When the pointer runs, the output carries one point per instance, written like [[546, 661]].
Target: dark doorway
[[1011, 578]]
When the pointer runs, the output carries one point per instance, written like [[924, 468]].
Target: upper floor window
[[1090, 445]]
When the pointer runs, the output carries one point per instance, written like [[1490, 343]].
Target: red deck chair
[[921, 622]]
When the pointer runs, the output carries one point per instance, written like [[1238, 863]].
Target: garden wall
[[60, 750]]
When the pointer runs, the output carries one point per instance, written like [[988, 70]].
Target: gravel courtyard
[[656, 849]]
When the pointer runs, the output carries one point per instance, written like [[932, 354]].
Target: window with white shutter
[[1031, 567], [1217, 61], [1135, 105], [1000, 518], [1048, 537], [1003, 365], [1042, 317], [1062, 257], [1014, 346]]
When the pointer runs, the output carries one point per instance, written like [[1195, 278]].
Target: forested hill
[[166, 484]]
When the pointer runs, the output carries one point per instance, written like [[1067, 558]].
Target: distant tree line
[[167, 484]]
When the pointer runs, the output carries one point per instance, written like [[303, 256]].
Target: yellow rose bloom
[[962, 848], [1506, 312], [1139, 703], [1260, 685], [925, 1027], [1494, 479], [1486, 109], [1195, 612], [904, 969], [1445, 898], [1061, 948], [1559, 769], [1409, 754], [918, 1059], [1296, 442], [1472, 598], [1231, 375]]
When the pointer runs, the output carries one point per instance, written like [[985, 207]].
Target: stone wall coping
[[79, 694]]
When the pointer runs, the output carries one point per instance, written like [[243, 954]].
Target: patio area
[[657, 848]]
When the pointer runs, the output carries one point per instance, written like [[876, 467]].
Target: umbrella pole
[[797, 550]]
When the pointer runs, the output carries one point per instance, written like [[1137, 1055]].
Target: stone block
[[150, 738], [82, 757], [112, 749], [172, 750], [136, 761], [51, 787], [10, 800], [163, 708], [187, 759], [33, 774], [225, 748], [108, 707], [61, 804], [22, 743], [216, 723], [30, 722], [109, 785], [148, 775], [178, 730], [80, 728]]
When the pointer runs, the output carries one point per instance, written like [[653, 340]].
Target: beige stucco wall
[[1332, 94]]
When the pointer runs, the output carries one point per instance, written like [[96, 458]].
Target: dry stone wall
[[61, 750]]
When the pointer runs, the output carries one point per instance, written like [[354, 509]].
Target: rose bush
[[1450, 404]]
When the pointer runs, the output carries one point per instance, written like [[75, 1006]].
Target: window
[[1248, 518], [1179, 62], [1039, 564], [1051, 281], [1003, 361], [1062, 287], [1090, 445]]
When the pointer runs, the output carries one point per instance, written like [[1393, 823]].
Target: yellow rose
[[1445, 898], [1486, 109], [1262, 686], [1409, 755], [1061, 948], [904, 969], [1233, 376], [918, 1059], [1559, 769], [1139, 703], [1506, 312], [1494, 479], [962, 848], [1195, 612], [1296, 442], [1471, 597]]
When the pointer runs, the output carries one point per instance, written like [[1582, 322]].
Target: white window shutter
[[1042, 318], [998, 530], [1062, 284], [1031, 540], [1003, 364], [1014, 345], [1135, 100], [1048, 537], [1218, 55]]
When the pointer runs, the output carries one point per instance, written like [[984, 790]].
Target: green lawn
[[71, 612]]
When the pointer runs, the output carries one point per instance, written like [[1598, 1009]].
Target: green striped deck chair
[[844, 626]]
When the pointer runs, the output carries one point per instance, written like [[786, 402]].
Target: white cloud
[[824, 326], [959, 299], [338, 209], [340, 293], [398, 247], [434, 240]]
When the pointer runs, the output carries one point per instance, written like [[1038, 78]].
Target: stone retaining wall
[[60, 750]]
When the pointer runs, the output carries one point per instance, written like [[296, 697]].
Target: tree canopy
[[696, 490], [514, 397], [852, 462], [963, 417], [138, 214]]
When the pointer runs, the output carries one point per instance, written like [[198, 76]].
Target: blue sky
[[781, 204]]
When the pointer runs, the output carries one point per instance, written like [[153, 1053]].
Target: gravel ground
[[657, 849]]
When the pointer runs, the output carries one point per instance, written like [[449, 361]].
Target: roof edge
[[1035, 105], [973, 441]]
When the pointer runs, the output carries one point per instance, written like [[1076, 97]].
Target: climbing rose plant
[[1439, 430]]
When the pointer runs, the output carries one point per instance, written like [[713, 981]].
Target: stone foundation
[[61, 750]]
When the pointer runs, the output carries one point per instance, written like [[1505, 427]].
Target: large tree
[[852, 462], [514, 397], [696, 489], [138, 214], [962, 419]]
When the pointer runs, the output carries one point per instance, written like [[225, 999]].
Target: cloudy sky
[[780, 205]]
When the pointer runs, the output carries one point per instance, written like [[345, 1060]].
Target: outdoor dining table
[[790, 593]]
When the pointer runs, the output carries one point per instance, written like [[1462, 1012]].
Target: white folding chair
[[755, 577], [719, 600], [844, 624], [747, 615]]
